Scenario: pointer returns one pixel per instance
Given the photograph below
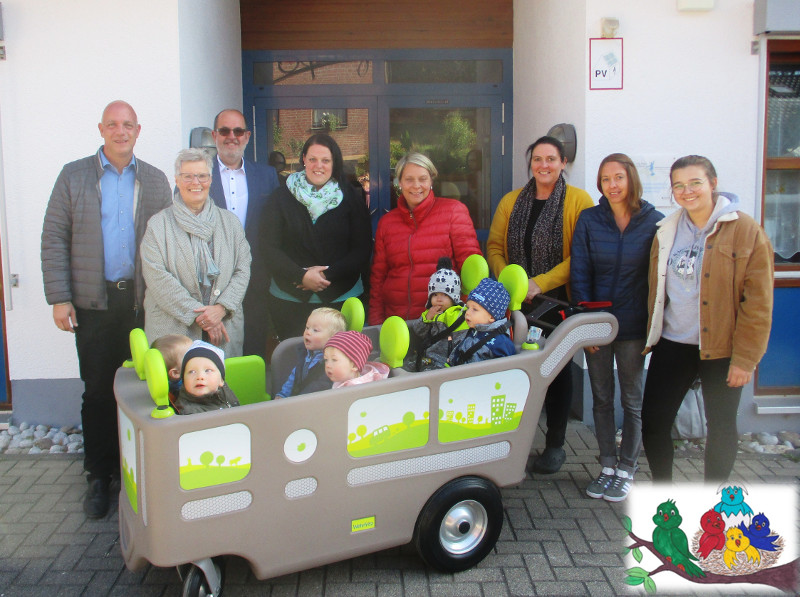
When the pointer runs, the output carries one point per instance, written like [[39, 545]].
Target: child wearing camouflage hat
[[441, 324], [487, 337]]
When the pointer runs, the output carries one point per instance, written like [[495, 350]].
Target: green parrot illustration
[[670, 541]]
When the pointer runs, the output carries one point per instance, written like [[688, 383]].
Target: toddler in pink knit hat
[[346, 362]]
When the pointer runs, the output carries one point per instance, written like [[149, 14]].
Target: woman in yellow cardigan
[[533, 227]]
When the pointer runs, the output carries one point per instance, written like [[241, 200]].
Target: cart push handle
[[563, 309]]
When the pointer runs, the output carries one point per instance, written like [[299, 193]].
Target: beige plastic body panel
[[307, 500]]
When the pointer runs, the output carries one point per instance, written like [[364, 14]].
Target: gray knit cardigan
[[173, 291]]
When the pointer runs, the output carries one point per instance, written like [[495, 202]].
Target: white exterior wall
[[691, 85], [550, 81], [65, 62]]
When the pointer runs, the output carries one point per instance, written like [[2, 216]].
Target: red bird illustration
[[713, 536]]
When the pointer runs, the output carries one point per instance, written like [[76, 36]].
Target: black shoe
[[549, 461], [95, 504]]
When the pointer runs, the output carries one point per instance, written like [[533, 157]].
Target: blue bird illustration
[[732, 507], [759, 533], [670, 541]]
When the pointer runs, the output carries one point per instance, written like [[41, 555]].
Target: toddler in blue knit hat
[[487, 337]]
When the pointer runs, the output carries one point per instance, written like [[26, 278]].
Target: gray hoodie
[[682, 310]]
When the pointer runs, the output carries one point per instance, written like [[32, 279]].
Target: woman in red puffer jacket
[[410, 240]]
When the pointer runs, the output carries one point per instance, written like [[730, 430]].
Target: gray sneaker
[[620, 486], [597, 488]]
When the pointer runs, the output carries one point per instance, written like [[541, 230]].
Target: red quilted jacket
[[407, 247]]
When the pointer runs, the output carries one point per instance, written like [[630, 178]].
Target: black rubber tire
[[195, 585], [459, 524]]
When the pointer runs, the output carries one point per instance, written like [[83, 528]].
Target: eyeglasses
[[226, 130], [202, 178], [679, 188]]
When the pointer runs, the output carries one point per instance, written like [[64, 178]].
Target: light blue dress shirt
[[117, 219]]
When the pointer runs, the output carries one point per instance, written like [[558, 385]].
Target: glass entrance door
[[282, 126], [379, 105]]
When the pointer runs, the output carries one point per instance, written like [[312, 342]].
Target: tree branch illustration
[[783, 577]]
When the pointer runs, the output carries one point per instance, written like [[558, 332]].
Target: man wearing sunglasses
[[242, 187], [95, 220]]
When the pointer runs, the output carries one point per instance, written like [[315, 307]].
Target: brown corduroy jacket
[[736, 289]]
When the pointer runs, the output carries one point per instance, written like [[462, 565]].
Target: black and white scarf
[[547, 237]]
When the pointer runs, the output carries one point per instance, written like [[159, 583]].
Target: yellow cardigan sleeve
[[575, 201]]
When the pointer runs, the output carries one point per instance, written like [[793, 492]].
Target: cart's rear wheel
[[460, 524], [195, 583]]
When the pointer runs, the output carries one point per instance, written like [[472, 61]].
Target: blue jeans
[[630, 367]]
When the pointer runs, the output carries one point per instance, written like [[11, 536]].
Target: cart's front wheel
[[460, 524], [195, 583]]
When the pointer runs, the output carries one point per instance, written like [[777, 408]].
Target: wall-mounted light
[[609, 27], [201, 137], [566, 134]]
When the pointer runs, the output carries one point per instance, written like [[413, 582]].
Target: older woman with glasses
[[196, 263], [710, 301]]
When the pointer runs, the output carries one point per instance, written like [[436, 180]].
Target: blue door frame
[[379, 97]]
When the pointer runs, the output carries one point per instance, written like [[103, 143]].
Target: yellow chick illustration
[[735, 543]]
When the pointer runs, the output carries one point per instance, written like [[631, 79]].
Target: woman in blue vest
[[610, 257]]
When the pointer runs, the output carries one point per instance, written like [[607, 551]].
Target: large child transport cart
[[301, 482]]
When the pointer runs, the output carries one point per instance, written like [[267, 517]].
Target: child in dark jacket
[[309, 374], [487, 337], [203, 374], [441, 324]]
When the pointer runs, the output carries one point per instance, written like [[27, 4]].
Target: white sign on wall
[[605, 63]]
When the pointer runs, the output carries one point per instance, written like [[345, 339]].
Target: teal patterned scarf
[[317, 202]]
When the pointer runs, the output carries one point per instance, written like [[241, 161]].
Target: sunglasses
[[225, 131]]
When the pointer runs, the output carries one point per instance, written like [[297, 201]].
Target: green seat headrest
[[394, 341], [515, 280], [139, 347], [353, 312], [473, 270]]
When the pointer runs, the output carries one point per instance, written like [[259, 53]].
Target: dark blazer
[[262, 180]]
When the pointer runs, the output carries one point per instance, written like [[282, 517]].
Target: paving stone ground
[[555, 540]]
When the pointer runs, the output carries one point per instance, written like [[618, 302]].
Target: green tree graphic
[[408, 418], [207, 458], [351, 438], [220, 459], [361, 430]]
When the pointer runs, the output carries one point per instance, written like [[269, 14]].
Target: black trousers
[[102, 340], [557, 404], [673, 368]]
